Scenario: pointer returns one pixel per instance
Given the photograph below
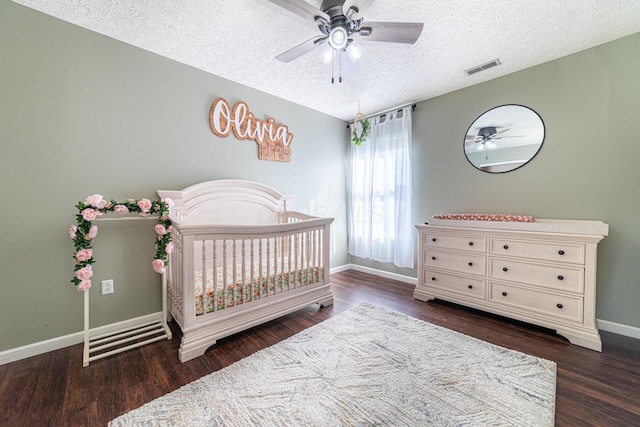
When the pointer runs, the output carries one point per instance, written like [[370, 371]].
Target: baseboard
[[620, 329], [340, 268], [385, 274], [41, 347]]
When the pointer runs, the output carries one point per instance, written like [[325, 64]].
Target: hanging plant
[[361, 129]]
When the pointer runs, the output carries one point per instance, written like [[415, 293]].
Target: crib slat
[[243, 284], [289, 243], [234, 274], [260, 266], [224, 273], [214, 278], [314, 256], [204, 277], [295, 259], [268, 264], [281, 263], [252, 281]]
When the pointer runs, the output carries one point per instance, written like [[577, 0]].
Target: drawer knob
[[470, 264], [560, 252], [505, 269], [470, 286], [433, 258], [561, 277], [559, 305], [504, 294], [506, 246], [470, 243], [433, 278], [434, 239]]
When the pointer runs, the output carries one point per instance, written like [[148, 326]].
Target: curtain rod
[[383, 113]]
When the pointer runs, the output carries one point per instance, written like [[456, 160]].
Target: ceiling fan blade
[[395, 32], [503, 130], [301, 49], [354, 9], [303, 9]]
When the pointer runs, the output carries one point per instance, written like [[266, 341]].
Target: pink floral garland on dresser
[[85, 231]]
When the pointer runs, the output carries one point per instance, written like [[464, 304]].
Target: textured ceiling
[[239, 39]]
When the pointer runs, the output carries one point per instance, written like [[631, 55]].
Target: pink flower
[[93, 232], [84, 255], [84, 285], [144, 205], [89, 214], [84, 273], [72, 231], [168, 201], [96, 201], [121, 209], [158, 266], [160, 229], [169, 248]]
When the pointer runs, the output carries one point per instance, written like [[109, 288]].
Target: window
[[380, 215]]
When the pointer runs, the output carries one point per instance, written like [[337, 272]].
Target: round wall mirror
[[504, 138]]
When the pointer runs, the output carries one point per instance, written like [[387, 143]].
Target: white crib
[[240, 259]]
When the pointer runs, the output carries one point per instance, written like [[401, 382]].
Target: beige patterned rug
[[366, 366]]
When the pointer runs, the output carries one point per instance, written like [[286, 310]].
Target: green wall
[[80, 114], [588, 167]]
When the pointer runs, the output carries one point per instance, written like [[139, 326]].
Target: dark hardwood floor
[[53, 389]]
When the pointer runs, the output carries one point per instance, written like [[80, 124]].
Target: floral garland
[[85, 231], [364, 127]]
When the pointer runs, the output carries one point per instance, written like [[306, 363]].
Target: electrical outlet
[[107, 286]]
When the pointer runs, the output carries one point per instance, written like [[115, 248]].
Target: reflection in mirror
[[504, 138]]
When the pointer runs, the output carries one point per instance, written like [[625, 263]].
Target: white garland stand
[[117, 341]]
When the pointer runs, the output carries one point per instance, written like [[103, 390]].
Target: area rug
[[366, 366]]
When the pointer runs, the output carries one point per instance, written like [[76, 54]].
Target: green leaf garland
[[365, 129], [84, 231]]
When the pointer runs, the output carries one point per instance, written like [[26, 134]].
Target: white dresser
[[542, 273]]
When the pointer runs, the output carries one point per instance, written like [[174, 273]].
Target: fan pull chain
[[333, 55], [335, 52]]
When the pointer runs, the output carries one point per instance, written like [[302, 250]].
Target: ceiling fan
[[340, 21], [486, 135]]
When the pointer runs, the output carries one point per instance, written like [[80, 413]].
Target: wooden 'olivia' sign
[[274, 140]]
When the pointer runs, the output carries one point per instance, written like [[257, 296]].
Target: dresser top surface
[[584, 227]]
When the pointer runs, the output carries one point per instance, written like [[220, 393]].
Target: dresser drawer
[[551, 251], [565, 307], [462, 243], [472, 287], [462, 262], [564, 278]]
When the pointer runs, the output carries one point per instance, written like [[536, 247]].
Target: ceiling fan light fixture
[[338, 37], [489, 145], [354, 51], [326, 54]]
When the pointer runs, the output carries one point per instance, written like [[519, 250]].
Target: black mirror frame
[[544, 134]]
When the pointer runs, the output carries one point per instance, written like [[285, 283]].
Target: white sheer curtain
[[380, 216]]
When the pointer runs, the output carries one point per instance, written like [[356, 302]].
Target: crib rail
[[219, 267]]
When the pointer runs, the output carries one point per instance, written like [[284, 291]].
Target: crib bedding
[[228, 294]]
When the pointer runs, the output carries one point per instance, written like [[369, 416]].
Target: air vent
[[482, 67]]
